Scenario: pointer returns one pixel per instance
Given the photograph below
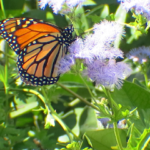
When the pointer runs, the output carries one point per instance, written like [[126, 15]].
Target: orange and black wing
[[39, 46], [19, 32], [38, 62]]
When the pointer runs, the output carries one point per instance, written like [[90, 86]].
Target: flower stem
[[144, 69], [49, 109], [111, 101], [146, 79], [113, 107], [3, 9], [55, 115], [116, 131], [93, 98], [1, 52], [78, 96]]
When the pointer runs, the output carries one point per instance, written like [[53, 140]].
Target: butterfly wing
[[19, 32], [39, 46], [38, 63]]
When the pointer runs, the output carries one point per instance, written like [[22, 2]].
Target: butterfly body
[[39, 47]]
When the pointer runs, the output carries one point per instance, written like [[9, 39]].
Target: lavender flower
[[99, 55], [105, 122], [140, 54], [107, 72], [99, 44], [140, 6], [60, 6], [65, 64]]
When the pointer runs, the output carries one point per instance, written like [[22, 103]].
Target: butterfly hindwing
[[38, 63]]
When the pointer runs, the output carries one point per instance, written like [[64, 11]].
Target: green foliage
[[98, 138], [56, 117]]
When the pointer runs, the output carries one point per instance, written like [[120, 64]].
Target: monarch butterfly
[[39, 46]]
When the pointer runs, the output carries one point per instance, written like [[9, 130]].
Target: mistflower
[[108, 72], [140, 54], [60, 6], [73, 3], [99, 54], [140, 6], [108, 30], [43, 3], [65, 64], [99, 45], [105, 122]]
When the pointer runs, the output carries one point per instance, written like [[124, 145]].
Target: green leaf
[[24, 109], [36, 14], [132, 95], [89, 2], [88, 120], [144, 140], [120, 16], [2, 74], [105, 139]]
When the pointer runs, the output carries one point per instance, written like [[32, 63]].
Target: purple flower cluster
[[140, 6], [60, 6], [105, 122], [140, 54], [99, 55]]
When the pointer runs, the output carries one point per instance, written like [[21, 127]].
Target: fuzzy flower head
[[65, 64], [99, 54], [60, 6], [108, 72], [140, 6], [140, 54], [99, 45]]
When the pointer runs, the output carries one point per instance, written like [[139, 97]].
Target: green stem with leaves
[[78, 96], [49, 109], [114, 107], [57, 118], [116, 131], [146, 79], [100, 108], [144, 69]]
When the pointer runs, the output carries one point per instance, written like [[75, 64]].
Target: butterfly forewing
[[19, 32]]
